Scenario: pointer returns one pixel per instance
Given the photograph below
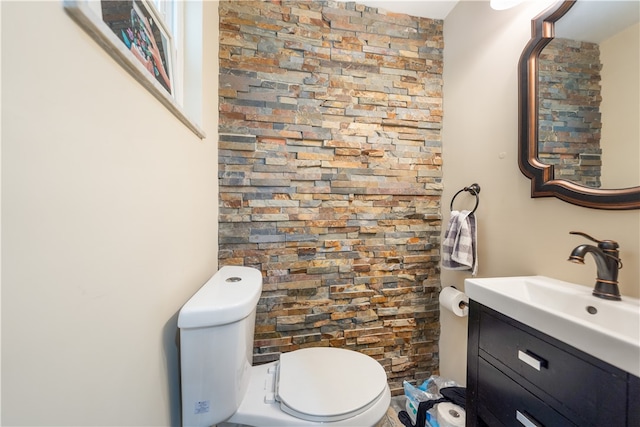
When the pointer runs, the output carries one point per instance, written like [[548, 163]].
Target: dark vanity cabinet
[[518, 376]]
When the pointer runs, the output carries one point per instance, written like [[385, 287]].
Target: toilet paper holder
[[461, 304], [453, 300]]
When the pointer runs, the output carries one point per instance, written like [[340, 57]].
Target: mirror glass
[[589, 96]]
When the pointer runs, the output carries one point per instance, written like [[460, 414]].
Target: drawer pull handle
[[532, 360], [526, 421]]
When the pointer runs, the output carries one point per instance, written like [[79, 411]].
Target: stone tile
[[330, 176]]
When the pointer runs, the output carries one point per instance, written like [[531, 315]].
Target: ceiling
[[435, 9], [592, 21], [596, 21]]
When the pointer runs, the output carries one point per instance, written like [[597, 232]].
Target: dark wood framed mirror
[[550, 176]]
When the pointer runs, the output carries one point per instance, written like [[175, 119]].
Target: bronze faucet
[[608, 263]]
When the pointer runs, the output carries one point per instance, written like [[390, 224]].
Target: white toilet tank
[[216, 345]]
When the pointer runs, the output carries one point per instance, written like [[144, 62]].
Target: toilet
[[318, 386]]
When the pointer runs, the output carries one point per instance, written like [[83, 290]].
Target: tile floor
[[391, 418]]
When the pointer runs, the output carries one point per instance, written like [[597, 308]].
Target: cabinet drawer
[[510, 404], [587, 392]]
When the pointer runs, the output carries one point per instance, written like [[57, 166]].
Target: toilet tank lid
[[230, 295]]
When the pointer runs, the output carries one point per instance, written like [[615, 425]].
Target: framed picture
[[132, 28], [132, 33]]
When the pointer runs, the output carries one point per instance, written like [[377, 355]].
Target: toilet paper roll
[[454, 301], [450, 415]]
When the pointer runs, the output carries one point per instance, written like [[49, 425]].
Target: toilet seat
[[328, 384], [262, 405]]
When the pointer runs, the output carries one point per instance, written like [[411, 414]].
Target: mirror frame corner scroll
[[543, 183]]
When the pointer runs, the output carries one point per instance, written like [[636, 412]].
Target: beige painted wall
[[518, 235], [109, 224], [620, 108]]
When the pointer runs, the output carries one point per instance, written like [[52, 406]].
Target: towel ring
[[473, 189]]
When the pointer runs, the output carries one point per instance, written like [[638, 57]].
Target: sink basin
[[608, 330]]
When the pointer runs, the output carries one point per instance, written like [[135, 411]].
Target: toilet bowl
[[313, 387], [317, 386]]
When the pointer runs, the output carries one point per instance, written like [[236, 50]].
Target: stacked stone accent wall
[[330, 176], [570, 120]]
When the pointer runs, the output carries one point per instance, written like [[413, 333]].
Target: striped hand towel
[[459, 247]]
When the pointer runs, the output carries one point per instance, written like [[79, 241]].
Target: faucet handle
[[602, 244]]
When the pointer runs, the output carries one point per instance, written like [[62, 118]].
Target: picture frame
[[134, 35]]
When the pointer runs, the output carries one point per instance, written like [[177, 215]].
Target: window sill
[[102, 34]]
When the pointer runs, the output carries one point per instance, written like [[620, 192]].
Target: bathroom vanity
[[519, 376]]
